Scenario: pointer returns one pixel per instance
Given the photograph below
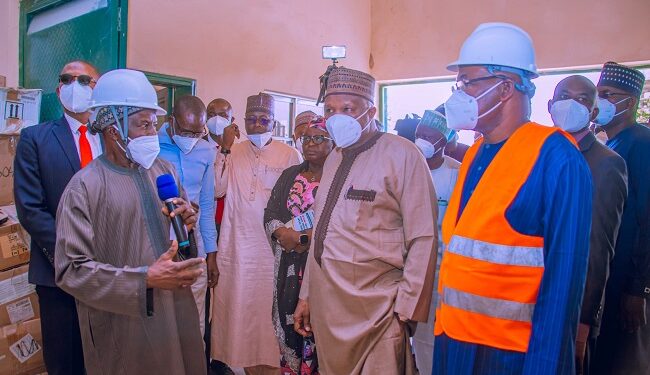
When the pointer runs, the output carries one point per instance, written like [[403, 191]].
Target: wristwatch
[[304, 239]]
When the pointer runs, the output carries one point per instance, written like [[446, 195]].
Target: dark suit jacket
[[46, 160], [609, 176]]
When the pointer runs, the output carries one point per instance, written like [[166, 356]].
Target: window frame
[[293, 104], [383, 86]]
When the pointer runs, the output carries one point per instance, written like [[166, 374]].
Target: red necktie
[[85, 153]]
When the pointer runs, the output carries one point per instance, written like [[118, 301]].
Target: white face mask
[[186, 144], [607, 111], [143, 150], [75, 97], [346, 130], [260, 140], [461, 109], [569, 115], [217, 124], [427, 148], [298, 143]]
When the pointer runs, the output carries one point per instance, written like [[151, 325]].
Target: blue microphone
[[167, 192]]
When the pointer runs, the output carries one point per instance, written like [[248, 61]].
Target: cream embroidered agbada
[[242, 328], [372, 256]]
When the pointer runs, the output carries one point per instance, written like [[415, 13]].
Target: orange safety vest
[[490, 273]]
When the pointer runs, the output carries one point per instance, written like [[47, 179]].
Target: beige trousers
[[199, 288]]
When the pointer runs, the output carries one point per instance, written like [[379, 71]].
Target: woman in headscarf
[[292, 198]]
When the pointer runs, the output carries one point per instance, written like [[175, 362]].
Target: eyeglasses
[[465, 83], [317, 139], [188, 133], [264, 121], [84, 80]]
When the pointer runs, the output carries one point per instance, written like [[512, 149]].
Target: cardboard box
[[7, 155], [14, 241], [18, 299], [20, 108], [3, 81], [21, 349]]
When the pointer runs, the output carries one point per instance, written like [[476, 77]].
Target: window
[[168, 88], [287, 107], [400, 99]]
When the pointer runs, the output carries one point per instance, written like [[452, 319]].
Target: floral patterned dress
[[298, 355]]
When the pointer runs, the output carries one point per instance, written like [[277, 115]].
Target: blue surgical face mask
[[607, 111]]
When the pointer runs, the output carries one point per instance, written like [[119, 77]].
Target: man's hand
[[581, 346], [633, 312], [288, 238], [213, 270], [301, 319], [229, 134], [188, 214], [167, 274]]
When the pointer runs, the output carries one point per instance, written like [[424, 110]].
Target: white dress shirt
[[93, 139]]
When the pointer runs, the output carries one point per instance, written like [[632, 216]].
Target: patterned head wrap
[[318, 123], [260, 103], [104, 117], [624, 78]]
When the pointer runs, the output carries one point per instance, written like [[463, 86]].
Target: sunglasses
[[317, 139], [84, 80], [264, 121]]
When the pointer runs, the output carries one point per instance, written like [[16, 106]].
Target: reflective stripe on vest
[[495, 253], [496, 308], [490, 273]]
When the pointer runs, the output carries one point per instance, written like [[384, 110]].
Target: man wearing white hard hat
[[113, 252], [516, 231]]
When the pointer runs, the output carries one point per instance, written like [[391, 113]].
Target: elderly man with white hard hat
[[516, 231], [113, 252]]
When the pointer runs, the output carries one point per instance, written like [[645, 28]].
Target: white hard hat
[[125, 88], [500, 44]]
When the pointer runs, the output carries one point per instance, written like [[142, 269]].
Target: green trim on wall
[[123, 18], [170, 80], [176, 86]]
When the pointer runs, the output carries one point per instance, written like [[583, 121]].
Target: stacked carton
[[20, 326]]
